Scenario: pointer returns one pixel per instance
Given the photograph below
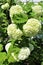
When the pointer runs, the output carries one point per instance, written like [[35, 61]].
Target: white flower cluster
[[37, 9], [11, 29], [5, 6], [16, 9], [24, 53], [32, 27], [14, 32]]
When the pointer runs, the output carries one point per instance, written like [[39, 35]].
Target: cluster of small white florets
[[37, 9], [32, 27], [14, 32], [16, 9], [5, 6], [24, 53]]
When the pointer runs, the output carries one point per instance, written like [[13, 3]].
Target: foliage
[[35, 43]]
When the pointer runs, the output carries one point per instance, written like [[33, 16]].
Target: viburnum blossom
[[24, 53], [32, 27], [16, 9], [37, 9], [13, 32], [11, 29], [5, 6]]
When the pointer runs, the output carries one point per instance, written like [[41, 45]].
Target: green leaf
[[14, 49], [31, 47], [3, 56], [3, 1], [11, 59], [1, 64], [27, 6], [41, 63], [1, 47], [20, 18], [41, 3]]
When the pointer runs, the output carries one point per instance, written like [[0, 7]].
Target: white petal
[[7, 46]]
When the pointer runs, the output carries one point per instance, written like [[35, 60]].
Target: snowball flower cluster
[[13, 32], [16, 9], [11, 29], [37, 9], [5, 6], [32, 27], [24, 53]]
